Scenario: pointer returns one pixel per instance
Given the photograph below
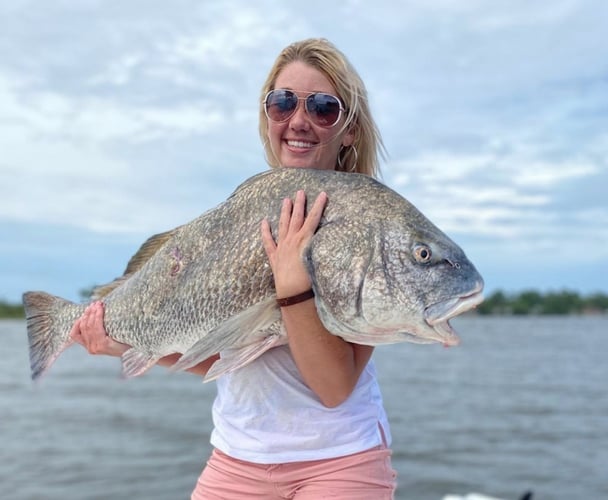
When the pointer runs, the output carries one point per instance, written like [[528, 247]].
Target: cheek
[[275, 131], [332, 146]]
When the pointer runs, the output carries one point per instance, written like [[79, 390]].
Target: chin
[[305, 164], [297, 164]]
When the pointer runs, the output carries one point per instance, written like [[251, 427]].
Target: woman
[[305, 420]]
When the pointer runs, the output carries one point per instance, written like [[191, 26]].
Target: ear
[[349, 137]]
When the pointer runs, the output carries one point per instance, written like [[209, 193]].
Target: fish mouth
[[438, 315]]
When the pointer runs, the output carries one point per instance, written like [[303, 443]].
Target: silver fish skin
[[380, 270]]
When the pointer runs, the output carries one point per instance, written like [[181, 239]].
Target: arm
[[329, 365], [89, 331]]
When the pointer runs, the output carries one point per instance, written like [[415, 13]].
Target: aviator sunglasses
[[323, 109]]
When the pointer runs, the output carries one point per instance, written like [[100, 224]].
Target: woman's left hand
[[295, 232]]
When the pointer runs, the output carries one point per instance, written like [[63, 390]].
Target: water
[[521, 405]]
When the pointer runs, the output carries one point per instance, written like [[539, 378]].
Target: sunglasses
[[324, 110]]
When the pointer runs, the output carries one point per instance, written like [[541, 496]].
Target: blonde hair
[[364, 154]]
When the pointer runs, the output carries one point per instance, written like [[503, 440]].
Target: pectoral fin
[[244, 329], [135, 362], [232, 359]]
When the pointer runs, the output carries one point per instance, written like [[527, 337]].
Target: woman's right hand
[[88, 331]]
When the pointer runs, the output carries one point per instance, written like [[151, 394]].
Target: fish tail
[[48, 335]]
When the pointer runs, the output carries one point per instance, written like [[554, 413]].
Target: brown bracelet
[[296, 299]]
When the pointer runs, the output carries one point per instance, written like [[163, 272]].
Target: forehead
[[301, 76]]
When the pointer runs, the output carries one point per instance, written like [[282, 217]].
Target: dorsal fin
[[148, 250], [143, 255], [101, 291]]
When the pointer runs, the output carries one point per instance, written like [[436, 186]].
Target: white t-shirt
[[265, 413]]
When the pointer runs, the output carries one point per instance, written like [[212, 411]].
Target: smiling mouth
[[438, 315], [300, 144]]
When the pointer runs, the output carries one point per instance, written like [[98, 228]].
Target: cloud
[[60, 160], [543, 175], [497, 197]]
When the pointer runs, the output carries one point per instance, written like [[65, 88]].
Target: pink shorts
[[361, 476]]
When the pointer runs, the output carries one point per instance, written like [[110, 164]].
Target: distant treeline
[[11, 310], [533, 302], [497, 303]]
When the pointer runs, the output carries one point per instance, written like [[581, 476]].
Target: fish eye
[[422, 254]]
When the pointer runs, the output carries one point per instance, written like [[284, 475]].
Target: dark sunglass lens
[[280, 105], [324, 109]]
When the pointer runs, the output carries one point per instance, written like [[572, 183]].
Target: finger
[[90, 319], [270, 246], [88, 322], [285, 218], [87, 317], [297, 212], [97, 314], [96, 319], [75, 333], [80, 325], [316, 212]]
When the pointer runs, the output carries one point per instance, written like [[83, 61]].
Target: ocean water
[[521, 404]]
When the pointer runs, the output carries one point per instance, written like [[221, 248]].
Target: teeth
[[300, 144]]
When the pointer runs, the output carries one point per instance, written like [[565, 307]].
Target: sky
[[119, 120]]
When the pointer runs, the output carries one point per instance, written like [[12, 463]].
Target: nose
[[300, 119]]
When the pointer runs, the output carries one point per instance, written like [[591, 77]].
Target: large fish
[[380, 270]]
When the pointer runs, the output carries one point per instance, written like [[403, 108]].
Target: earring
[[344, 152]]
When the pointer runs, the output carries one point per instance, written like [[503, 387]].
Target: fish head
[[416, 282], [393, 279]]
